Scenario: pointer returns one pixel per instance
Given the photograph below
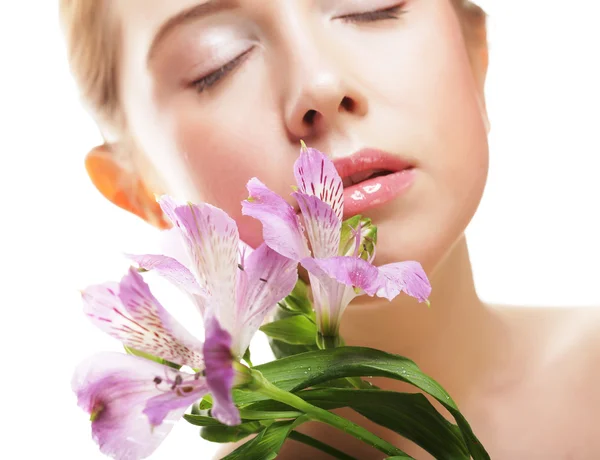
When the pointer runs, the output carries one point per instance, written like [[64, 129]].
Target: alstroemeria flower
[[336, 279], [134, 401]]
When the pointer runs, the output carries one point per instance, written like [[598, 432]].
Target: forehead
[[143, 18], [144, 21]]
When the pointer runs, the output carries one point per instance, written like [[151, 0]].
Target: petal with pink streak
[[212, 239], [322, 225], [270, 277], [351, 271], [316, 175], [281, 226], [115, 388], [403, 276], [219, 372], [175, 272], [129, 312]]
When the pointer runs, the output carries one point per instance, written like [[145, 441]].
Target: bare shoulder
[[557, 333], [561, 347], [555, 357]]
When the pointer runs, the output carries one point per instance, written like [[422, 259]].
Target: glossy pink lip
[[374, 191]]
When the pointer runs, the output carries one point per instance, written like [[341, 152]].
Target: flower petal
[[219, 372], [351, 271], [175, 272], [175, 394], [270, 277], [281, 226], [129, 312], [115, 388], [212, 240], [322, 225], [330, 297], [316, 175], [403, 276]]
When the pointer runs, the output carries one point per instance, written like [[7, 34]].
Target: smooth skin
[[341, 78]]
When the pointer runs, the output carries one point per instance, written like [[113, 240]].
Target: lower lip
[[377, 191]]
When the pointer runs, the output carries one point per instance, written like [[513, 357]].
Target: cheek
[[442, 97], [220, 155], [430, 107]]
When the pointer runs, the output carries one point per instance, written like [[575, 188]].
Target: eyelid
[[213, 77], [206, 55], [395, 7]]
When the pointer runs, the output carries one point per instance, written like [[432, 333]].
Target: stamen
[[178, 381], [372, 256], [357, 235], [242, 254], [263, 280], [157, 380], [98, 408]]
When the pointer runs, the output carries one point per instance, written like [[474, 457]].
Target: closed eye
[[206, 82], [393, 12]]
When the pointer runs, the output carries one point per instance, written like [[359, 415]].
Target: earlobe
[[123, 187]]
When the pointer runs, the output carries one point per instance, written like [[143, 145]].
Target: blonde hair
[[92, 38]]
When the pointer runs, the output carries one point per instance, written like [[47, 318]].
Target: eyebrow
[[190, 14]]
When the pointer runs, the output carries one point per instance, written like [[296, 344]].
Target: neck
[[450, 341]]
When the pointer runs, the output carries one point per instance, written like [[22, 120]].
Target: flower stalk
[[263, 386]]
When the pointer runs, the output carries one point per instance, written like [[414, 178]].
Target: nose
[[320, 100]]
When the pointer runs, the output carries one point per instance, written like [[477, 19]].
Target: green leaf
[[267, 444], [156, 359], [408, 414], [309, 441], [248, 357], [205, 403], [295, 330], [201, 420], [281, 349], [298, 300], [305, 370], [223, 433]]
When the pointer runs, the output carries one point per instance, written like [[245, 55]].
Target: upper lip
[[367, 163]]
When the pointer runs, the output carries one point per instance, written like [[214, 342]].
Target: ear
[[474, 23], [123, 187]]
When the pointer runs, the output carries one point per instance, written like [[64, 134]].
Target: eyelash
[[393, 12], [213, 78]]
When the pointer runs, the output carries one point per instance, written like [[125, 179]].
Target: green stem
[[296, 436], [262, 385], [265, 415]]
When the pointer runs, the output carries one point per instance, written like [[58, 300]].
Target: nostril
[[309, 117], [348, 104]]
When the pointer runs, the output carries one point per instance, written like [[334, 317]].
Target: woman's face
[[217, 92]]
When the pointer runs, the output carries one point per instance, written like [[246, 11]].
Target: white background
[[534, 240]]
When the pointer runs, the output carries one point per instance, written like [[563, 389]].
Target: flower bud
[[358, 239]]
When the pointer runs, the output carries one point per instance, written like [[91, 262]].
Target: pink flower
[[133, 401], [336, 279]]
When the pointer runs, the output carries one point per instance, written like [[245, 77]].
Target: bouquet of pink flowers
[[134, 398]]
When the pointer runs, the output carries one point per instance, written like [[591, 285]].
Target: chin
[[423, 230]]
